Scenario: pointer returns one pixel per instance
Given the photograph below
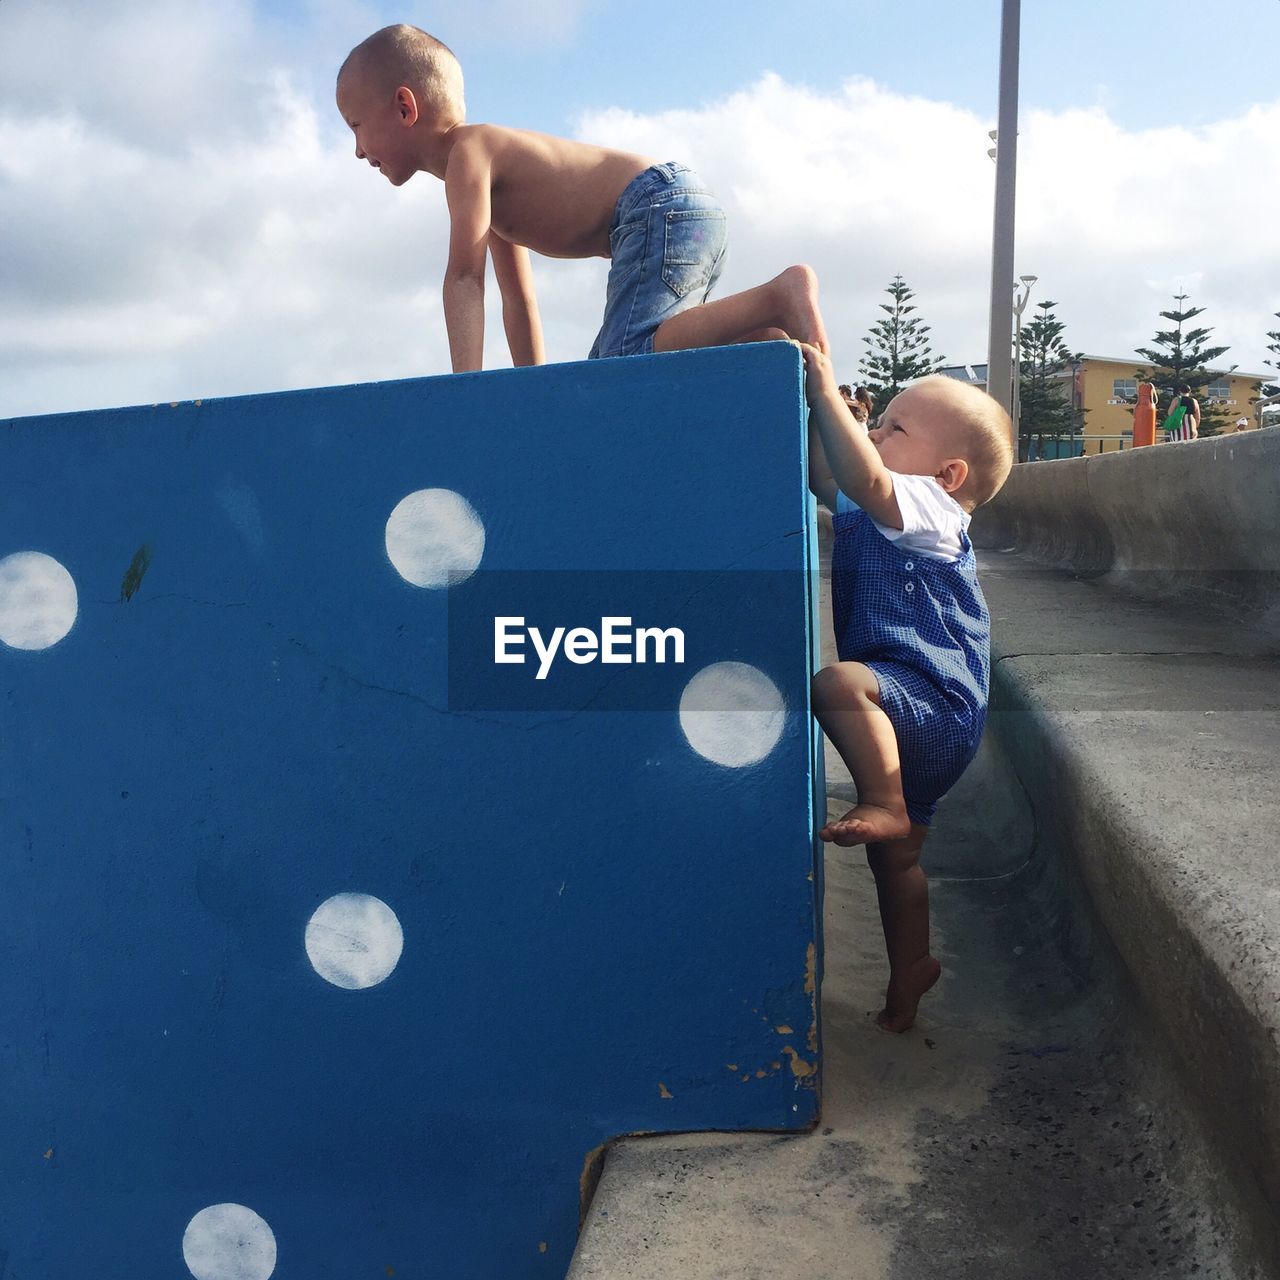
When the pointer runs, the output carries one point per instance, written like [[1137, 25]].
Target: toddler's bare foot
[[798, 291], [867, 824], [906, 986]]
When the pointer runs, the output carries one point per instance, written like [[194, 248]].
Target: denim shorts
[[668, 241]]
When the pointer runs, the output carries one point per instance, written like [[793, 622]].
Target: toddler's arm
[[520, 316], [853, 461], [466, 188], [822, 484]]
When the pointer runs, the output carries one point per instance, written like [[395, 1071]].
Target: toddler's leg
[[846, 701], [903, 894], [786, 307]]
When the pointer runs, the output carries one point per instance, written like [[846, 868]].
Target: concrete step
[[1148, 737]]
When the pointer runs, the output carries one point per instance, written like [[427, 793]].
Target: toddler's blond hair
[[983, 435]]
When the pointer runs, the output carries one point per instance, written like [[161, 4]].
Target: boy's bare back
[[552, 195]]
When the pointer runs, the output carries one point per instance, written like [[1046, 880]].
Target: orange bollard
[[1144, 415]]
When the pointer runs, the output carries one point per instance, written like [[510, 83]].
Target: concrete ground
[[1030, 1125]]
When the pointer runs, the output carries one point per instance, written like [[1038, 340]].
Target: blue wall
[[603, 930]]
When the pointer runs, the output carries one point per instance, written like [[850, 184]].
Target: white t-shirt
[[932, 520]]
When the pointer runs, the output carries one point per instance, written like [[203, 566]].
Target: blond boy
[[510, 191], [906, 703]]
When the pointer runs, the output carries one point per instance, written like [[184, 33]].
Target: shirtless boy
[[510, 191], [906, 703]]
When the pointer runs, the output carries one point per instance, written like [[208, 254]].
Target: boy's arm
[[520, 316], [853, 460], [466, 188]]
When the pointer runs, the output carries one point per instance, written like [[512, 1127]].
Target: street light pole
[[1015, 392], [999, 374]]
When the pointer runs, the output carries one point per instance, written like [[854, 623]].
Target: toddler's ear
[[952, 474]]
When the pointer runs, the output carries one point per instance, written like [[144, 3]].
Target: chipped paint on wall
[[800, 1068]]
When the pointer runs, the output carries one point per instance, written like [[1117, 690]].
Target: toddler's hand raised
[[820, 378]]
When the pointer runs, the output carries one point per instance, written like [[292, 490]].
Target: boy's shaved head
[[981, 430], [404, 55]]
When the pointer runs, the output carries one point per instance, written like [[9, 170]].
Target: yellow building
[[1107, 389]]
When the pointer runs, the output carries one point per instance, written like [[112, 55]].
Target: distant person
[[1183, 419], [906, 703], [866, 405], [860, 402], [1242, 424], [509, 191]]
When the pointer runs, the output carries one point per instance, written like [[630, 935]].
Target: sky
[[182, 215]]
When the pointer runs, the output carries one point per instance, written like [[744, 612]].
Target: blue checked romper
[[922, 625]]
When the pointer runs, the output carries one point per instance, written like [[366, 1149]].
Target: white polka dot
[[229, 1242], [732, 713], [435, 538], [38, 603], [354, 940]]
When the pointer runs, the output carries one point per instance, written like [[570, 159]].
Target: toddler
[[906, 703]]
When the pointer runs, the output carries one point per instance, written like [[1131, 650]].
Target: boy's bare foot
[[797, 289], [903, 996], [867, 824]]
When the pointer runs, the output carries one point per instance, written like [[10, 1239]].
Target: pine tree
[[1271, 389], [1181, 357], [1044, 398], [898, 347]]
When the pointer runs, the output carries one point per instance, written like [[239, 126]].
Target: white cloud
[[239, 247], [235, 264], [144, 70], [1127, 219], [865, 183]]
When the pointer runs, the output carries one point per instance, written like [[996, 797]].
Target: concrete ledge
[[1137, 694], [1149, 756], [1195, 522]]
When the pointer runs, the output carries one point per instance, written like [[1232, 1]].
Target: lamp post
[[998, 346], [1015, 391]]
